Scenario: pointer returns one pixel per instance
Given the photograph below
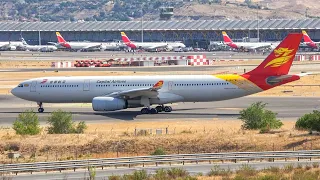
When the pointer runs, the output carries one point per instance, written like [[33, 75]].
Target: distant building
[[166, 13], [191, 33]]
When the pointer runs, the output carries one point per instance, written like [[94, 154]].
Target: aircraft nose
[[14, 91]]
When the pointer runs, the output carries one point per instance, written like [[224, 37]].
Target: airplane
[[247, 45], [42, 48], [85, 45], [111, 93], [309, 42], [150, 45], [10, 45]]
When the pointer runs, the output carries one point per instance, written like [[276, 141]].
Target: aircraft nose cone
[[14, 91]]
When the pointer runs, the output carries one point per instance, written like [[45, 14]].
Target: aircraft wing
[[132, 93], [53, 43], [260, 46], [92, 46], [158, 46]]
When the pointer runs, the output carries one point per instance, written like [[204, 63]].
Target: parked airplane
[[247, 45], [10, 45], [307, 40], [110, 93], [86, 45], [150, 45], [42, 48]]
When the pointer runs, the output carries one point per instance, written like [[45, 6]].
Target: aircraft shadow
[[136, 115]]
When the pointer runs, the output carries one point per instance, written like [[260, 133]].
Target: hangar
[[192, 33]]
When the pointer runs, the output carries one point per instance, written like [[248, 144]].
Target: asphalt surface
[[288, 108], [310, 67], [193, 169], [64, 55]]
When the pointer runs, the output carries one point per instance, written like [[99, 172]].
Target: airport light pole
[[142, 23], [258, 25], [39, 25]]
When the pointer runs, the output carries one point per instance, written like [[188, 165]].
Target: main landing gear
[[156, 110], [40, 110]]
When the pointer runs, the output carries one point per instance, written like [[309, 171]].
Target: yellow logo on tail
[[282, 57]]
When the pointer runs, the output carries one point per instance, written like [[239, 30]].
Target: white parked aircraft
[[248, 45], [110, 93], [150, 45], [42, 48], [86, 45], [10, 45]]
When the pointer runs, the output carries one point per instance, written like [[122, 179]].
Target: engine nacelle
[[12, 48], [108, 104]]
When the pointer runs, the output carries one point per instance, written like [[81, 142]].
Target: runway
[[288, 108]]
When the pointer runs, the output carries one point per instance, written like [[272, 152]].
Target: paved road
[[314, 67], [62, 55], [193, 169], [288, 108]]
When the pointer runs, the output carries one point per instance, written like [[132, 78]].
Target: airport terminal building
[[192, 33]]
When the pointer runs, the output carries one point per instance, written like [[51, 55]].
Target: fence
[[156, 160]]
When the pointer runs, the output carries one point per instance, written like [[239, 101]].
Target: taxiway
[[288, 108]]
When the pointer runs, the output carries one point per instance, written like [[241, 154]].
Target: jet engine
[[169, 48], [12, 48], [108, 104]]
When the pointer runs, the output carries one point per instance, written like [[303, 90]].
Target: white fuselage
[[110, 46], [154, 45], [83, 45], [177, 88], [40, 47], [253, 45]]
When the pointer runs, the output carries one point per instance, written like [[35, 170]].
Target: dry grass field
[[117, 139]]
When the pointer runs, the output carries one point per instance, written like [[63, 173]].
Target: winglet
[[158, 85]]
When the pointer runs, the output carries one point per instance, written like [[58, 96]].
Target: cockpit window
[[20, 85]]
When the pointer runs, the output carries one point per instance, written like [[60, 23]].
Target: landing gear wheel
[[159, 108], [167, 109], [153, 111], [144, 111], [40, 110]]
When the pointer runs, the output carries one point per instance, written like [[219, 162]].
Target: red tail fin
[[226, 38], [306, 37], [308, 40], [280, 59], [125, 38], [60, 38]]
